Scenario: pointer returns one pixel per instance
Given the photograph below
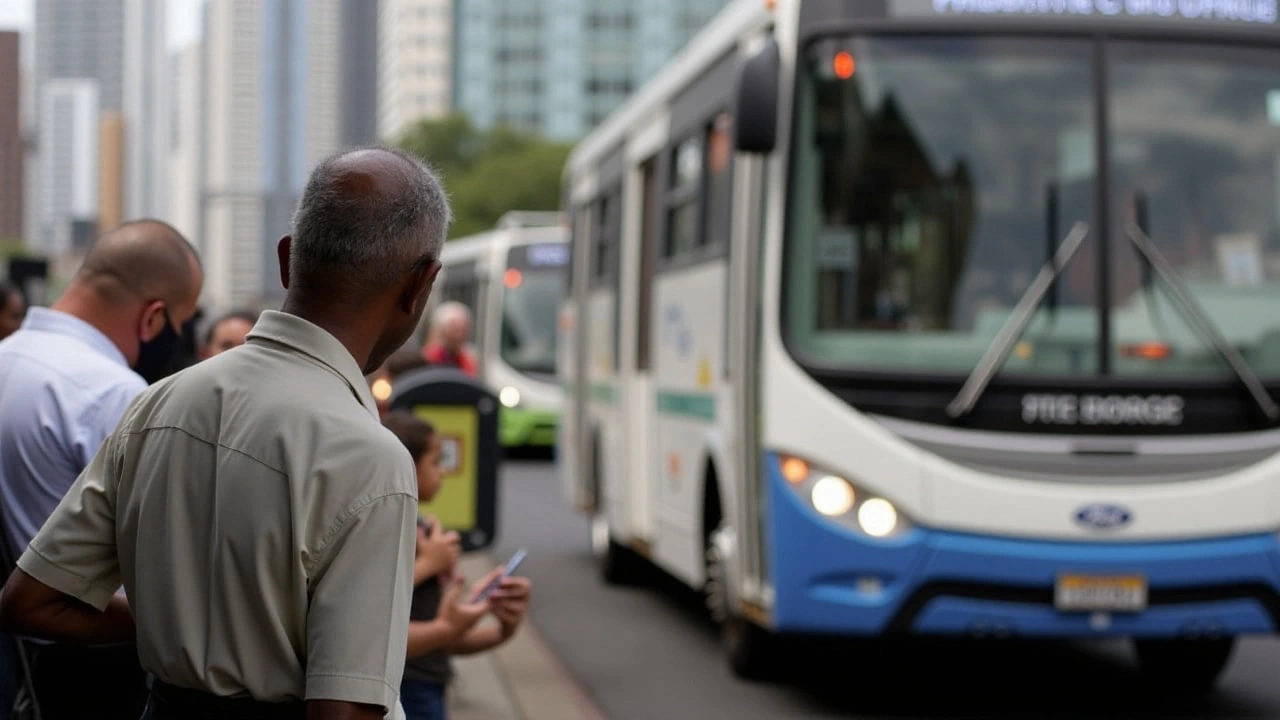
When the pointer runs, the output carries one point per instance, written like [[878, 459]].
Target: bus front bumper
[[831, 580], [522, 427]]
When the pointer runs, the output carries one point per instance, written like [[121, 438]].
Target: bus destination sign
[[1256, 12]]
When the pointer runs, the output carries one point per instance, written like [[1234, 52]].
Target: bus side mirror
[[757, 102]]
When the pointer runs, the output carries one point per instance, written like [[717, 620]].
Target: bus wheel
[[1183, 665], [750, 649], [618, 565]]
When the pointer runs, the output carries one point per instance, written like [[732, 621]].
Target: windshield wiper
[[1196, 315], [1022, 313]]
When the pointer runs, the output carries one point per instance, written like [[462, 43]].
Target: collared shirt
[[63, 387], [261, 519]]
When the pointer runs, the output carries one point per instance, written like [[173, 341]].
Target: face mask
[[155, 355]]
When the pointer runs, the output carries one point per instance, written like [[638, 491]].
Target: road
[[648, 652]]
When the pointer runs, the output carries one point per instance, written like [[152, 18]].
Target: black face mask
[[156, 354]]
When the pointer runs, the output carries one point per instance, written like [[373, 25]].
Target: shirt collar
[[42, 319], [315, 342]]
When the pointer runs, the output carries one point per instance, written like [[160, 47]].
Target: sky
[[183, 18]]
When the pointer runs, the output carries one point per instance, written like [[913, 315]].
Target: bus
[[940, 317], [512, 278]]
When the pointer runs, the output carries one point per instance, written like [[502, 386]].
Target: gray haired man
[[261, 519]]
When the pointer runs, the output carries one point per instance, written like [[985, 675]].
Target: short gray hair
[[369, 239]]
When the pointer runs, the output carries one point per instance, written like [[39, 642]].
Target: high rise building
[[79, 52], [187, 138], [111, 170], [12, 147], [146, 108], [68, 187], [559, 67], [359, 72], [82, 39], [414, 51], [272, 86]]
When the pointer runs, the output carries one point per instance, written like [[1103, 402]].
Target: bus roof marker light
[[843, 65], [794, 470], [512, 278], [832, 496]]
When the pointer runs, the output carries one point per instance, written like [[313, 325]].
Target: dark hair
[[8, 291], [248, 316], [404, 360], [412, 431]]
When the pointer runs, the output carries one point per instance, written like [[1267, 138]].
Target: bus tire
[[749, 648], [617, 564], [1183, 665]]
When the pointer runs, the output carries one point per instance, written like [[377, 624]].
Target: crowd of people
[[239, 539]]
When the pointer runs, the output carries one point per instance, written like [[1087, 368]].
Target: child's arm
[[452, 621], [510, 602]]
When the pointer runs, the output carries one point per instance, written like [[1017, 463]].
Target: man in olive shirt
[[260, 517]]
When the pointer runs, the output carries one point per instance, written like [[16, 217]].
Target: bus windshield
[[934, 176], [534, 285]]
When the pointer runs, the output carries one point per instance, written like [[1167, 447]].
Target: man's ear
[[283, 249], [151, 322], [419, 287]]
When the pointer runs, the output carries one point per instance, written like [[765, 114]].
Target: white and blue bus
[[953, 317]]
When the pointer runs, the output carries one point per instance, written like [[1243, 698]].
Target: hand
[[438, 550], [510, 603], [461, 615]]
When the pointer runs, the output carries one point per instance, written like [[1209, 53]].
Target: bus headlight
[[840, 500], [509, 396], [832, 496]]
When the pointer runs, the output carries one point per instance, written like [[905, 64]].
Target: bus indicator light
[[795, 470], [512, 279], [843, 65]]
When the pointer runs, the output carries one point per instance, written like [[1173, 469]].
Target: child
[[442, 626]]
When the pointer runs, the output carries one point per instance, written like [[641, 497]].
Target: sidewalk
[[521, 680]]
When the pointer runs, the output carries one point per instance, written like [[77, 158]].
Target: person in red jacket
[[450, 331]]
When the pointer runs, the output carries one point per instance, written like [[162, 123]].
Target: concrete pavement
[[520, 680]]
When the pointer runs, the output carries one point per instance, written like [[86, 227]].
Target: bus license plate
[[1083, 593]]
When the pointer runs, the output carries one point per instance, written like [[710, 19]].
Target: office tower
[[79, 52], [359, 40], [146, 85], [12, 147], [414, 51], [272, 87], [559, 67], [183, 154], [68, 186]]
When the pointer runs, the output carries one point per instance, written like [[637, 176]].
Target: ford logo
[[1103, 517]]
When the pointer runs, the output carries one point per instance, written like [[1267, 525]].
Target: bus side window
[[684, 187], [718, 194]]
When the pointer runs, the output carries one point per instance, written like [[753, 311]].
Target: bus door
[[642, 508]]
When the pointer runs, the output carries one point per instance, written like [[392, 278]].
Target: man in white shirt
[[66, 377]]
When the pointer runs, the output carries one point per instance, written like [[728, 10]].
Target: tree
[[488, 173]]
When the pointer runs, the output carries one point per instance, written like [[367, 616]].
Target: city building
[[414, 50], [12, 147], [69, 121], [147, 109], [272, 88], [183, 151], [79, 53], [359, 40], [559, 67]]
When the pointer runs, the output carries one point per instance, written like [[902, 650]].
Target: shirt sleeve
[[358, 618], [75, 550]]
